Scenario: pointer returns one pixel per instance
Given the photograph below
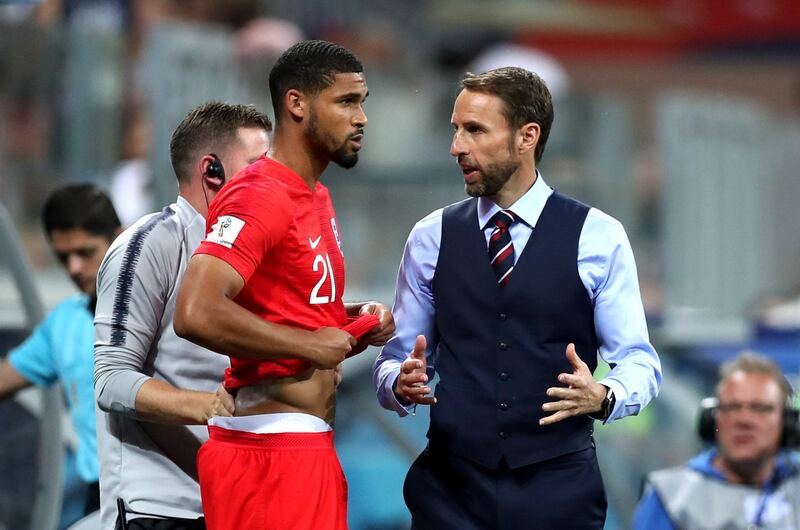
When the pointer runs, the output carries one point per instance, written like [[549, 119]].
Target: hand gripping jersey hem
[[356, 326]]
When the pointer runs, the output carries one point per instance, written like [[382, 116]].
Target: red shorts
[[271, 481]]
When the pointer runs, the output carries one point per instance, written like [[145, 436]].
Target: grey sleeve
[[132, 291]]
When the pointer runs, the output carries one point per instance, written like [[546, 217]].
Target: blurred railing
[[44, 404]]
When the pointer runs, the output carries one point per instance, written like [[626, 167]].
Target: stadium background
[[679, 117]]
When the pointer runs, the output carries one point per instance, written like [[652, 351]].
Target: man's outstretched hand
[[411, 385], [583, 395]]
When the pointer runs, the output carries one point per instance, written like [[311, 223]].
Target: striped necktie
[[501, 251]]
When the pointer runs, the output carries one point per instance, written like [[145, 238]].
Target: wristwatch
[[605, 407]]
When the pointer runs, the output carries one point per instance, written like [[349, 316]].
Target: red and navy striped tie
[[501, 251]]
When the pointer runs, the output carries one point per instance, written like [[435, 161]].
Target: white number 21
[[327, 271]]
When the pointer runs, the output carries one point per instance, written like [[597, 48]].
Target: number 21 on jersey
[[323, 264]]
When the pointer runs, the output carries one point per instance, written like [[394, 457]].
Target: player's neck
[[294, 153]]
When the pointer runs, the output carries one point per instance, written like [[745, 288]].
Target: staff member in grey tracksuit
[[156, 391]]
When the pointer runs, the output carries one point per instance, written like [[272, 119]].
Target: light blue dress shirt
[[61, 349], [607, 270]]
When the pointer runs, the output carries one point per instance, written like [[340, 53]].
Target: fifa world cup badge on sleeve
[[225, 231]]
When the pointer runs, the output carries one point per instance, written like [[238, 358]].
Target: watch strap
[[605, 407]]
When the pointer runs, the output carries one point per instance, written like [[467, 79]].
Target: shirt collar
[[185, 210], [528, 208]]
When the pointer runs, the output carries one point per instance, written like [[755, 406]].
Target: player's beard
[[493, 177], [341, 156]]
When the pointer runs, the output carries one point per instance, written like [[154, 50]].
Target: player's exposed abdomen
[[311, 392]]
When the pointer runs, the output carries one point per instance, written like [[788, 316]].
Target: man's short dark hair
[[80, 206], [525, 96], [309, 66], [211, 126]]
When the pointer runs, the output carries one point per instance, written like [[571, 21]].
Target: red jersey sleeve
[[247, 219]]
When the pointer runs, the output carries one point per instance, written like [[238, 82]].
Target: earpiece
[[215, 169], [707, 423]]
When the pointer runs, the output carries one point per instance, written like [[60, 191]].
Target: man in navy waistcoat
[[509, 296]]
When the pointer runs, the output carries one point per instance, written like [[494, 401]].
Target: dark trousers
[[145, 523], [443, 491]]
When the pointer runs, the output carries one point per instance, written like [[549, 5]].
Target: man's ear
[[528, 137], [295, 104], [209, 181]]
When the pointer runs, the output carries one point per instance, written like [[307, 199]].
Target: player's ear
[[295, 103]]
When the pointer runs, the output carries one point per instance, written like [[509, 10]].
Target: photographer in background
[[750, 478]]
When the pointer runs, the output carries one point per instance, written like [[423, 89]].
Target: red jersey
[[282, 238]]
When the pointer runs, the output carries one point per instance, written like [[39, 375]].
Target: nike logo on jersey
[[315, 242]]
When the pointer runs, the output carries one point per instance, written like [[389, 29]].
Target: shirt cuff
[[22, 368], [390, 398], [118, 394], [620, 397]]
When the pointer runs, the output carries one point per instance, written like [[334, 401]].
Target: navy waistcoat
[[501, 348]]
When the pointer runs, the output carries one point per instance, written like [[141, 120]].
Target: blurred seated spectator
[[80, 223], [750, 478], [266, 36], [778, 317], [510, 54], [130, 187]]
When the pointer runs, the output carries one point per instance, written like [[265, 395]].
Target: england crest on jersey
[[336, 234]]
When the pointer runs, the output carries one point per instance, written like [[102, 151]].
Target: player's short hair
[[210, 128], [525, 97], [309, 66], [754, 363], [80, 206]]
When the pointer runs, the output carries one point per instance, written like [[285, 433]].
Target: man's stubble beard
[[341, 157], [493, 178]]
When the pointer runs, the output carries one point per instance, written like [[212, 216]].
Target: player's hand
[[380, 335], [583, 395], [411, 385], [220, 403], [328, 347]]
